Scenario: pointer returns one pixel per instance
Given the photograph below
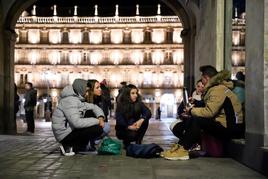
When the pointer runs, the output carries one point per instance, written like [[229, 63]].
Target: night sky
[[107, 7]]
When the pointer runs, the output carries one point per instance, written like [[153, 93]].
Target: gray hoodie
[[68, 114]]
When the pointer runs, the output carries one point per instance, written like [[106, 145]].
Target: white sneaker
[[67, 152]]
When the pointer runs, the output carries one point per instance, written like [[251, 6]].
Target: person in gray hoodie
[[68, 125]]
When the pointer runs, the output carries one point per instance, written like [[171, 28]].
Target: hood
[[69, 91], [80, 86], [223, 78]]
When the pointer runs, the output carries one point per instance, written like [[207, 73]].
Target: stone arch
[[8, 21]]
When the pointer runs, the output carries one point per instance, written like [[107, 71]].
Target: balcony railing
[[99, 20]]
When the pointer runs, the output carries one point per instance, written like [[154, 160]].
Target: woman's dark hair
[[90, 91], [125, 104], [208, 70], [240, 76], [30, 84]]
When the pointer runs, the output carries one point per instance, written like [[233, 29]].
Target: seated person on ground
[[74, 132], [222, 111], [132, 116]]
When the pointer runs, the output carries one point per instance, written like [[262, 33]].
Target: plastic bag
[[110, 146]]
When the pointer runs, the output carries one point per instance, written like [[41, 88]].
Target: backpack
[[143, 150]]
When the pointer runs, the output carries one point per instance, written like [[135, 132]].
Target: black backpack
[[143, 150]]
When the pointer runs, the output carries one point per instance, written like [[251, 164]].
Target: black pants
[[189, 131], [79, 138], [129, 136], [30, 120]]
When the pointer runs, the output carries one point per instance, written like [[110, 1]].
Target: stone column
[[228, 34], [7, 44], [254, 152], [220, 9]]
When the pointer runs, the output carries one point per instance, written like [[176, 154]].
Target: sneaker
[[66, 151], [172, 149], [177, 154]]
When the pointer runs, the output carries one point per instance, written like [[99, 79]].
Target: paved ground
[[38, 157]]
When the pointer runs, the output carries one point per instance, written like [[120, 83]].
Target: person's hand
[[191, 100], [133, 127], [185, 116], [187, 109], [139, 123], [101, 121]]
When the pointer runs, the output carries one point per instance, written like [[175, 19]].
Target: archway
[[17, 8]]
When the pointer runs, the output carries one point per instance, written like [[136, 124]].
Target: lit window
[[177, 35], [34, 36], [54, 36], [158, 35], [95, 57], [158, 57], [54, 57], [95, 36], [116, 36], [236, 37], [137, 57], [33, 56], [235, 58], [116, 57], [75, 36], [147, 78], [17, 55], [178, 56], [75, 57], [137, 35]]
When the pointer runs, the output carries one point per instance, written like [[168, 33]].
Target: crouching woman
[[70, 128], [132, 116]]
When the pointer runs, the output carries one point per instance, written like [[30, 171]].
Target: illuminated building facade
[[143, 50]]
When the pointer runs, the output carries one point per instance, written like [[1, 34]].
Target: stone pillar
[[7, 44], [254, 152], [257, 73], [228, 11], [220, 9]]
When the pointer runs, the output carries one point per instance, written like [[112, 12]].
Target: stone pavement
[[38, 157]]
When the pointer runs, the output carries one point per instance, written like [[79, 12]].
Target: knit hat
[[80, 86]]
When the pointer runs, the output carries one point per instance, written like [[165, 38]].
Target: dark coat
[[30, 99], [122, 122]]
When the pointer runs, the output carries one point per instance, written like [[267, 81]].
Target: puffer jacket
[[215, 92], [69, 114]]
